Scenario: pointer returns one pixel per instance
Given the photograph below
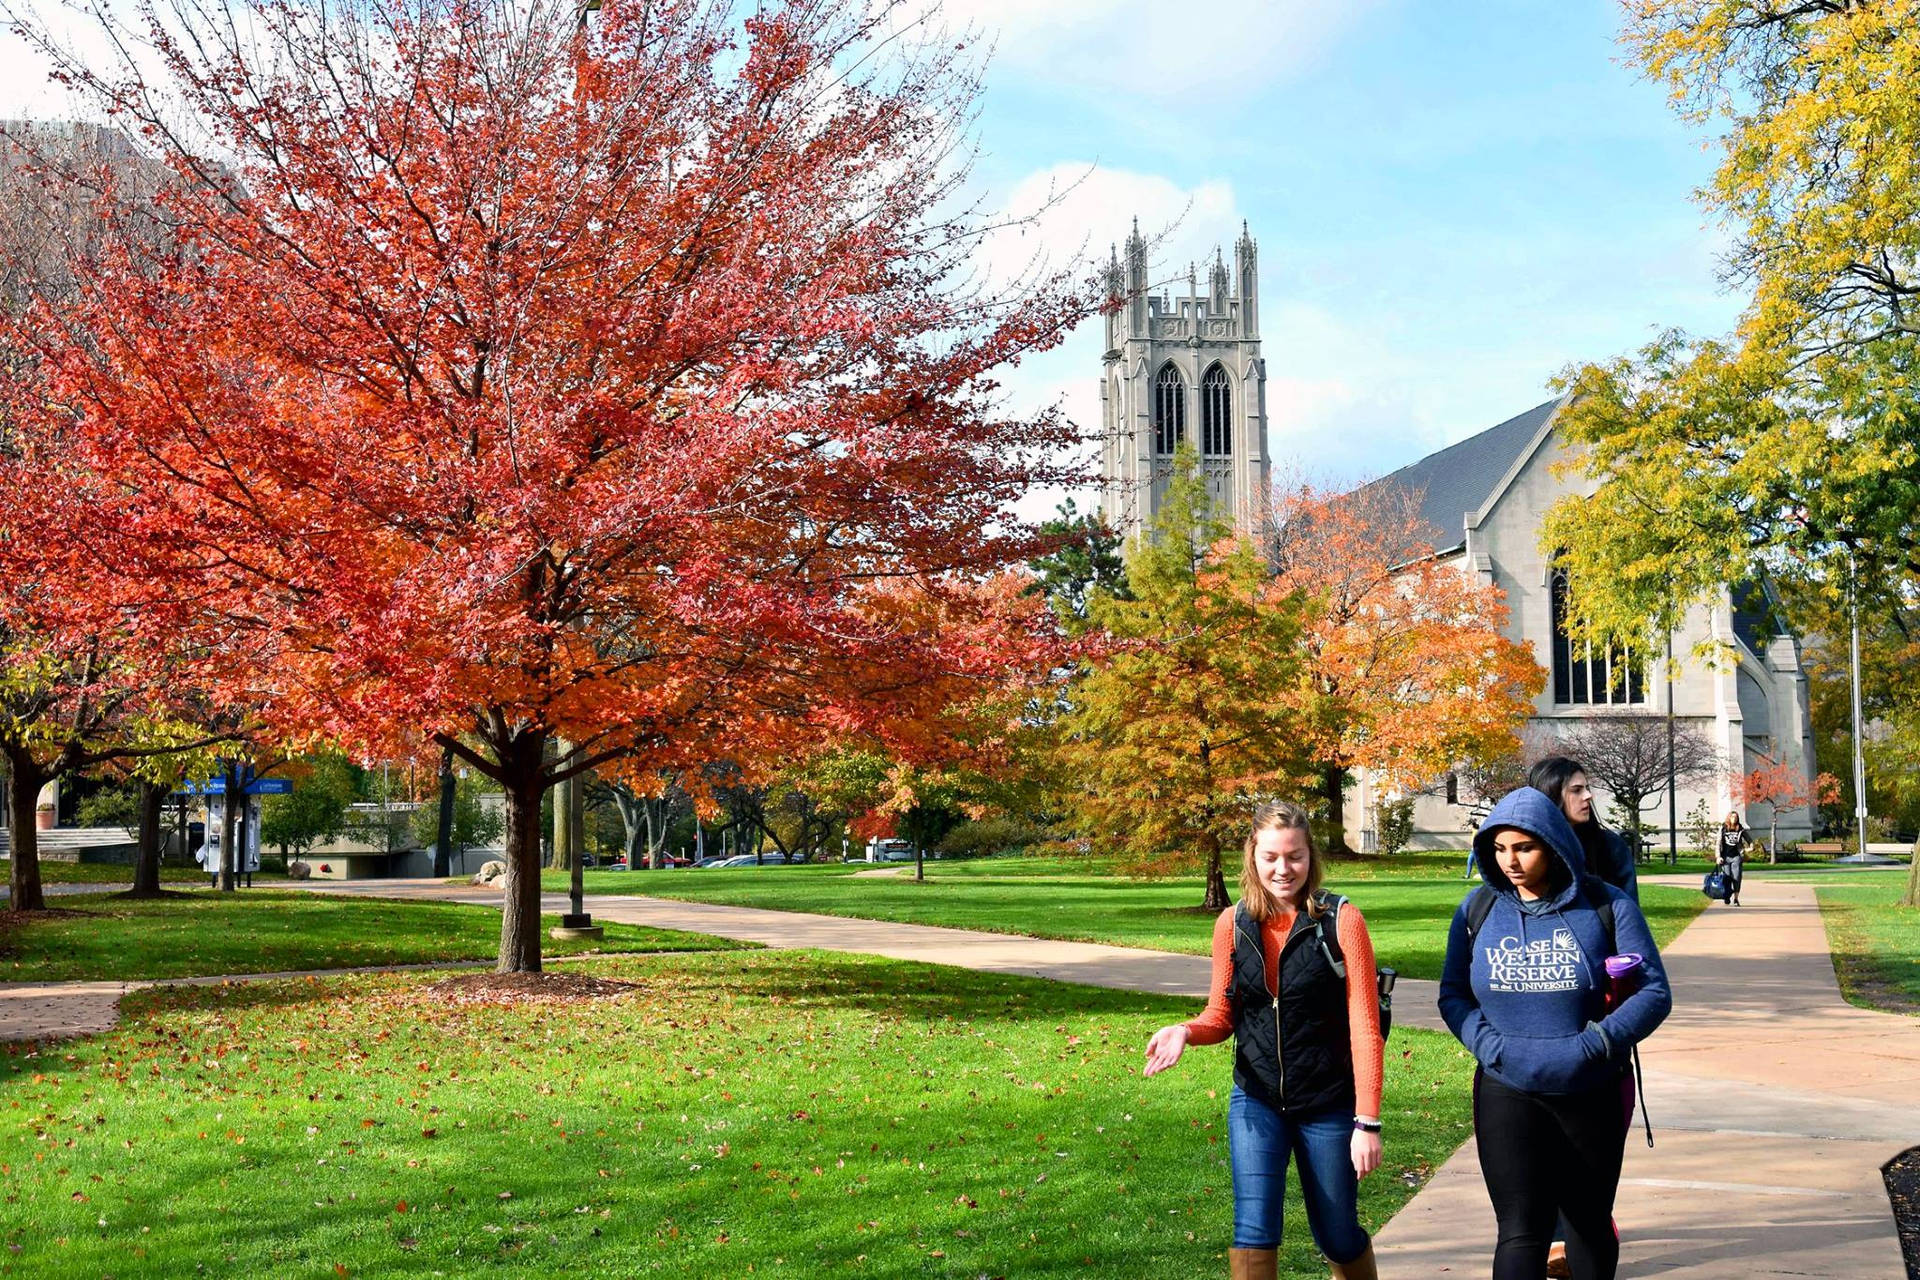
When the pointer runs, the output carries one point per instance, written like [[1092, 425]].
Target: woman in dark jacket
[[1563, 780], [1526, 992], [1733, 841]]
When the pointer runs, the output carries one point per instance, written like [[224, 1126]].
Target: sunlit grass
[[1406, 906], [783, 1112], [1875, 943], [89, 936]]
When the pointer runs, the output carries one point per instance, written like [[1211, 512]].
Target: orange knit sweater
[[1215, 1022]]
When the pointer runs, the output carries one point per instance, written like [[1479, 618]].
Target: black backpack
[[1327, 926], [1593, 891]]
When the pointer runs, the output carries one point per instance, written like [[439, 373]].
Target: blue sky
[[1452, 201]]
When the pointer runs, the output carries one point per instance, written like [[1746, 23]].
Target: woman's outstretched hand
[[1366, 1153], [1165, 1048]]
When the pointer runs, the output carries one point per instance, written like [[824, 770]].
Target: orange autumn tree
[[1406, 669], [519, 375], [1780, 786]]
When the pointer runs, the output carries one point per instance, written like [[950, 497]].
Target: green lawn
[[776, 1112], [95, 936], [1406, 905], [1875, 943], [119, 873]]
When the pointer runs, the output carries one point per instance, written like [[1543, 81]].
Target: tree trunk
[[146, 864], [1333, 785], [23, 840], [443, 833], [1216, 898], [1911, 898], [1773, 835], [520, 906]]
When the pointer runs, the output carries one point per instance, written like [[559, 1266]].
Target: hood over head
[[1528, 810]]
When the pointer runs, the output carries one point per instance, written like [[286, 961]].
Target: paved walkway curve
[[1774, 1101]]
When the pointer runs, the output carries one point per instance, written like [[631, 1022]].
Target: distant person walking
[[1734, 839], [1526, 988], [1307, 1050]]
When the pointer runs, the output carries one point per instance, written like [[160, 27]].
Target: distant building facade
[[1184, 369], [1482, 501]]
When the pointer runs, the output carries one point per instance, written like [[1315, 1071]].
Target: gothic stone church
[[1193, 362]]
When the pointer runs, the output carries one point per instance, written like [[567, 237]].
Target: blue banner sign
[[218, 786]]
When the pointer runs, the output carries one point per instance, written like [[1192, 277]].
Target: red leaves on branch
[[515, 378]]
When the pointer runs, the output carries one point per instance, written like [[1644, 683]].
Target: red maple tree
[[1780, 786], [518, 376]]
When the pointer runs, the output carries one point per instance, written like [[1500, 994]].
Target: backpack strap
[[1479, 903], [1327, 925], [1592, 891]]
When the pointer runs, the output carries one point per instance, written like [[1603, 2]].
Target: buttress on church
[[1179, 368]]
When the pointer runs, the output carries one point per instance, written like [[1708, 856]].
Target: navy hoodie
[[1527, 996]]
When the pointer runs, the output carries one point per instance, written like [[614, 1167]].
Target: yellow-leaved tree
[[1188, 715], [1790, 447]]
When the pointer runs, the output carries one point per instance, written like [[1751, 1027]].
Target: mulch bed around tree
[[1903, 1190], [524, 988]]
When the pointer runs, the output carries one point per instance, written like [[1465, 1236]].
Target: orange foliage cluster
[[1407, 668]]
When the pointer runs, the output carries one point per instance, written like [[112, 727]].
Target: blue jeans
[[1260, 1140]]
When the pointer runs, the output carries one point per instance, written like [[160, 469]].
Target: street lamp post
[[1673, 802], [1859, 751]]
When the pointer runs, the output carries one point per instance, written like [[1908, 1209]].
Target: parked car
[[889, 850]]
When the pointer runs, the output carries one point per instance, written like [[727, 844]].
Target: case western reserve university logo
[[1537, 964]]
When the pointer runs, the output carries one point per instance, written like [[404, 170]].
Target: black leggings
[[1546, 1156]]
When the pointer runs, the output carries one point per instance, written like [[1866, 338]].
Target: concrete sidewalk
[[1774, 1105], [1125, 968], [36, 1011]]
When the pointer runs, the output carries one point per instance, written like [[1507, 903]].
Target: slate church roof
[[1459, 479]]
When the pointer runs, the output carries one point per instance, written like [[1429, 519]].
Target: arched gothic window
[[1216, 414], [1169, 410], [1583, 675]]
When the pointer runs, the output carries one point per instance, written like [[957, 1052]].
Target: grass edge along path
[[97, 937], [819, 1113], [1407, 915], [1875, 943]]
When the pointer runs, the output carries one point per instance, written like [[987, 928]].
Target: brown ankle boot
[[1254, 1264], [1361, 1268]]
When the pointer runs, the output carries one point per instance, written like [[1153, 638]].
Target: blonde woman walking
[[1307, 1051]]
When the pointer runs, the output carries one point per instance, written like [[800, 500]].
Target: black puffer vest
[[1293, 1052]]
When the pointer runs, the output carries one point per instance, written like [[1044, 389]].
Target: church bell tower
[[1184, 368]]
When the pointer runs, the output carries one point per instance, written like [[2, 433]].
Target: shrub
[[1395, 822], [986, 836]]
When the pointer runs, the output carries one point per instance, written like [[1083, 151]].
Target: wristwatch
[[1366, 1126]]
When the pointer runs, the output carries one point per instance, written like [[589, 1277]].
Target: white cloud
[[1153, 49], [1074, 208]]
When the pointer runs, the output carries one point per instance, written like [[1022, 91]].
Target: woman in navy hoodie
[[1526, 993]]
